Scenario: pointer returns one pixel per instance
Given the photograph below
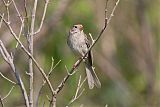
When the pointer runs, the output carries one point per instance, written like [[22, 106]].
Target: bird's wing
[[88, 43]]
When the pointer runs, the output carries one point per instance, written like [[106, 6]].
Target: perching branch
[[106, 23]]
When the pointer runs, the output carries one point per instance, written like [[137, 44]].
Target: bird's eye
[[75, 26]]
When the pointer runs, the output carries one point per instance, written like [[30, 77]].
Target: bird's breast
[[77, 43]]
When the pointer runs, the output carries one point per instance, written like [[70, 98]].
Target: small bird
[[79, 44]]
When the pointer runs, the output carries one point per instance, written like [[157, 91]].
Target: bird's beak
[[72, 30]]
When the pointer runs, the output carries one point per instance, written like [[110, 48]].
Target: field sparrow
[[79, 44]]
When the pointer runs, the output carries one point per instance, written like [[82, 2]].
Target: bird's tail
[[92, 77]]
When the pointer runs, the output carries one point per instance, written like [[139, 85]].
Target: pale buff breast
[[77, 43]]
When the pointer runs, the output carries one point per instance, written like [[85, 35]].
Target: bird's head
[[76, 28]]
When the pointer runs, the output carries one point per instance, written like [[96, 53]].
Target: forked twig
[[8, 93], [48, 75], [78, 93], [9, 59], [26, 51], [53, 67], [7, 9], [1, 99]]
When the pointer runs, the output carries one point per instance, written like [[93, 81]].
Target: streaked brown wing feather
[[90, 52]]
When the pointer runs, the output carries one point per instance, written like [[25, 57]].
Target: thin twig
[[8, 93], [20, 32], [7, 9], [48, 76], [19, 15], [52, 64], [1, 20], [21, 19], [43, 16], [106, 23], [77, 94], [25, 8], [9, 59], [53, 67], [8, 79], [26, 51], [1, 101], [69, 72], [27, 19], [3, 54], [92, 40]]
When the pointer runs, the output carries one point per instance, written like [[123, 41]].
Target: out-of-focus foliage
[[126, 58]]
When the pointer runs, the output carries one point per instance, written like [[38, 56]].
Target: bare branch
[[56, 16], [78, 93], [8, 93], [106, 23], [32, 59], [25, 8], [3, 54], [1, 20], [92, 40], [30, 48], [52, 64], [7, 9], [53, 67], [1, 101], [25, 50], [7, 79], [44, 82], [20, 32], [69, 72], [19, 15], [27, 20], [43, 16], [21, 19], [9, 59]]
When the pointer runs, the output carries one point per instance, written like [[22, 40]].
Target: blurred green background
[[126, 58]]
